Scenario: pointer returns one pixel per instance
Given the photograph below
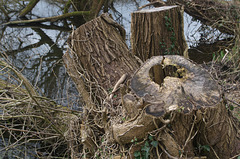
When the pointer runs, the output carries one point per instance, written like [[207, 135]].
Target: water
[[19, 151]]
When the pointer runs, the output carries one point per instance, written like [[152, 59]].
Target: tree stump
[[158, 31], [98, 61], [187, 108], [183, 110], [99, 48]]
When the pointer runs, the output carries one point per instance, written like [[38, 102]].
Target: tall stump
[[98, 61], [158, 31], [98, 55]]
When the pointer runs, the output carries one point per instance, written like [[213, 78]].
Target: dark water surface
[[37, 50]]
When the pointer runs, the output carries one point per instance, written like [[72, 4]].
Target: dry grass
[[226, 70], [31, 125]]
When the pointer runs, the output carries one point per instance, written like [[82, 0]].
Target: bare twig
[[232, 101], [170, 156], [120, 81]]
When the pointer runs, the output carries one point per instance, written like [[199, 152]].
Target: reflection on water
[[203, 40], [37, 53], [197, 33], [37, 50], [121, 12], [18, 151]]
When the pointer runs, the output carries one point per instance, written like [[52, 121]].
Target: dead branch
[[48, 19], [28, 8]]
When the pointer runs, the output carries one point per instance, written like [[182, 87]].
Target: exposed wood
[[188, 95], [172, 98], [158, 31], [183, 85], [138, 128]]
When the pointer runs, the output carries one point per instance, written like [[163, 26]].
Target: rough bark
[[100, 49], [98, 62], [184, 111], [190, 95], [158, 31]]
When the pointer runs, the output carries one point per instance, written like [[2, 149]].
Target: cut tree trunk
[[100, 53], [183, 110], [98, 61], [189, 102], [158, 31]]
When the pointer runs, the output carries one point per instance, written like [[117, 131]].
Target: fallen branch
[[223, 16], [4, 11], [153, 3], [48, 19], [28, 8]]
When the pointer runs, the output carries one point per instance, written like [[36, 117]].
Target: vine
[[144, 152], [170, 50]]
